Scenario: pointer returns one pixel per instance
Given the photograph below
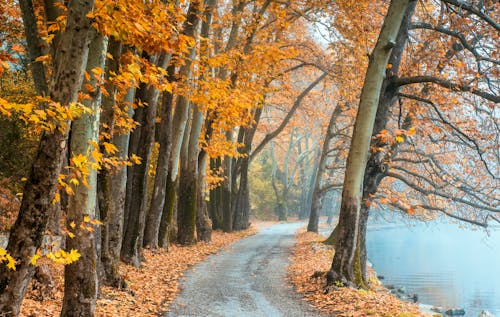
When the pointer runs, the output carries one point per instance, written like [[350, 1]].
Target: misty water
[[446, 265]]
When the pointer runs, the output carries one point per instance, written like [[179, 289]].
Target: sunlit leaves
[[6, 259], [150, 26]]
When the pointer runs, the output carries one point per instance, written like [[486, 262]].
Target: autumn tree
[[39, 192], [345, 259]]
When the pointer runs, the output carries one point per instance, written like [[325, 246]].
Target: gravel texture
[[249, 279]]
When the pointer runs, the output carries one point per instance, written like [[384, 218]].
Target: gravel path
[[249, 279]]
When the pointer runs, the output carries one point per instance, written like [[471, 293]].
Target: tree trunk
[[188, 186], [346, 262], [166, 232], [80, 278], [134, 232], [182, 106], [242, 196], [214, 206], [376, 167], [203, 222], [180, 124], [112, 184], [317, 195], [27, 232], [230, 220], [160, 184]]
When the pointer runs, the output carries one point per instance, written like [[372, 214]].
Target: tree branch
[[287, 118], [475, 11], [440, 193], [403, 81], [468, 138]]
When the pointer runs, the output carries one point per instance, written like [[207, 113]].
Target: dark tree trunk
[[112, 184], [27, 232], [332, 238], [242, 197], [188, 203], [203, 222], [188, 194], [214, 205], [343, 269], [134, 232], [160, 184], [167, 231]]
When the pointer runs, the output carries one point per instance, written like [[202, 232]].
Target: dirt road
[[246, 280]]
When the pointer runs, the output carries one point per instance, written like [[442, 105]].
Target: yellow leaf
[[399, 139], [135, 159], [110, 148], [34, 259], [411, 131], [86, 219], [97, 70]]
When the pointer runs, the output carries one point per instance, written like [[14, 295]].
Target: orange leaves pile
[[311, 256], [154, 286]]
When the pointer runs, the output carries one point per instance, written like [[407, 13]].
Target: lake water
[[444, 264]]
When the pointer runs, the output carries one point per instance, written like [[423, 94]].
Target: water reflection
[[446, 265]]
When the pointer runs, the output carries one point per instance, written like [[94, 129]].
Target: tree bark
[[346, 262], [80, 278], [188, 186], [215, 207], [112, 184], [151, 232], [27, 232], [376, 167], [167, 231], [134, 227]]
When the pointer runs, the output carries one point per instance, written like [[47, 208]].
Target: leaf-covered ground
[[311, 257], [153, 286]]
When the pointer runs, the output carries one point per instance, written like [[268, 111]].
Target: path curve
[[248, 279]]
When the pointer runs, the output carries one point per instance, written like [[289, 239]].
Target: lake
[[444, 264]]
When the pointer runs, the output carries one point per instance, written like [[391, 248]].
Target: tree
[[80, 278], [39, 191], [319, 190], [345, 267]]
